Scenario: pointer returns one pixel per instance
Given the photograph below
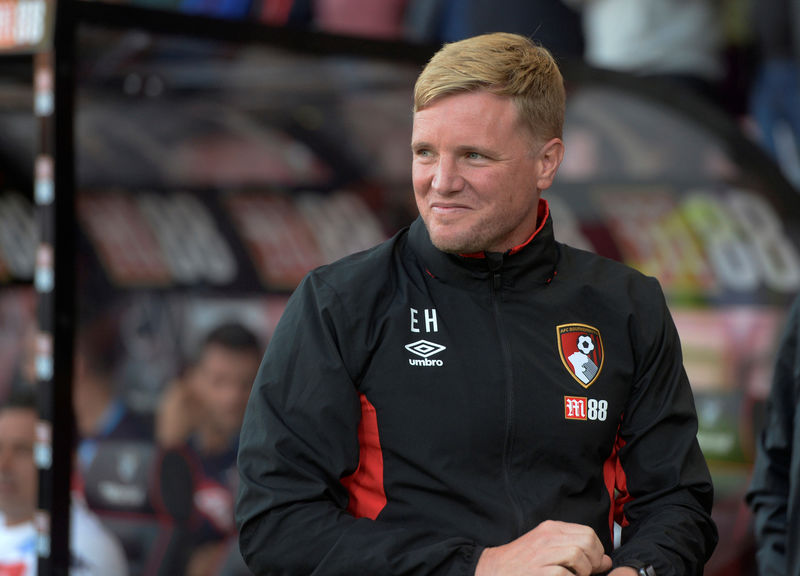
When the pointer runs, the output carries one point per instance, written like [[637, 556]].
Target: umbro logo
[[425, 350]]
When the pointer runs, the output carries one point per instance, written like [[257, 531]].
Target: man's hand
[[551, 549]]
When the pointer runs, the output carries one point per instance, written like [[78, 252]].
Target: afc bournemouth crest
[[581, 351]]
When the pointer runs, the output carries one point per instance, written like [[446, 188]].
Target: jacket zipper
[[496, 286]]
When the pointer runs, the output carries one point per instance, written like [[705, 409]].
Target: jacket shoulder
[[363, 274], [598, 270]]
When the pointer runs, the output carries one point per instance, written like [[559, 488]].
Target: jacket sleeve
[[769, 489], [299, 438], [667, 516]]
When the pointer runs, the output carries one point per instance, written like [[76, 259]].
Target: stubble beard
[[466, 242]]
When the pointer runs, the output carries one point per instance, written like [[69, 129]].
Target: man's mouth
[[448, 208]]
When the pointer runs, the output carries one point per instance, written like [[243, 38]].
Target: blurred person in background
[[366, 18], [18, 332], [94, 551], [678, 41], [101, 414], [775, 95], [202, 414], [25, 370], [550, 23], [774, 493]]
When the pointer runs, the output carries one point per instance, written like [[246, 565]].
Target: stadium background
[[168, 170]]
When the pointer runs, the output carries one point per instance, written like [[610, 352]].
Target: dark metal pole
[[55, 281]]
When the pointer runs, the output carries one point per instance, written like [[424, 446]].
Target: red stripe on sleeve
[[617, 486], [365, 485]]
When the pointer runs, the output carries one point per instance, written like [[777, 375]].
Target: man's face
[[222, 381], [477, 172], [19, 478]]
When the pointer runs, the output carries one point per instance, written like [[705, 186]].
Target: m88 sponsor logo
[[582, 408]]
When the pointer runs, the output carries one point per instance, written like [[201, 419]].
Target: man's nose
[[446, 177]]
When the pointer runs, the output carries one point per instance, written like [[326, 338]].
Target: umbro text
[[425, 362]]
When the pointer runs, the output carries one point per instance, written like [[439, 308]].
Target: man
[[95, 552], [775, 486], [208, 404], [774, 101], [101, 414], [668, 40], [421, 408], [215, 391]]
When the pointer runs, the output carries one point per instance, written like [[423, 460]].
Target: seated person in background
[[95, 552], [100, 413], [203, 412], [25, 370], [774, 493]]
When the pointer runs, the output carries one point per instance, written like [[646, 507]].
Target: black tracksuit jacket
[[775, 487], [414, 407]]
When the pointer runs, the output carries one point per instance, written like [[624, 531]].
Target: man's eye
[[423, 152], [475, 156]]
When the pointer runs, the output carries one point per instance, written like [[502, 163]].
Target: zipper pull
[[495, 262]]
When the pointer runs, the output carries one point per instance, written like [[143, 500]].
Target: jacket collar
[[532, 263]]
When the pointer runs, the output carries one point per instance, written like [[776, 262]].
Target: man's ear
[[549, 158]]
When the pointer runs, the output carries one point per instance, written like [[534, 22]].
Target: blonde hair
[[504, 64]]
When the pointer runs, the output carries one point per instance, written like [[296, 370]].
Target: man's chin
[[455, 247], [446, 247], [453, 243]]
